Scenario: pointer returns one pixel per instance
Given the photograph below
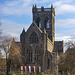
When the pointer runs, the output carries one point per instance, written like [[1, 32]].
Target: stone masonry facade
[[38, 43]]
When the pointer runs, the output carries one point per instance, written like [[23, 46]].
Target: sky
[[17, 14]]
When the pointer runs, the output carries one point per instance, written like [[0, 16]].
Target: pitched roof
[[34, 24]]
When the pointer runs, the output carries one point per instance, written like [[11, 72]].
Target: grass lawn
[[34, 74], [28, 74]]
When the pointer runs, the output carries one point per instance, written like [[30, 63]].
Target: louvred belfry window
[[38, 22], [47, 21], [47, 24]]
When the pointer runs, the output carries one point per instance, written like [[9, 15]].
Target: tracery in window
[[33, 38]]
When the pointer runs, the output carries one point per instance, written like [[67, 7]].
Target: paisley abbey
[[39, 47]]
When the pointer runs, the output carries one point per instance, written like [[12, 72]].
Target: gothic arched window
[[33, 38], [47, 21], [38, 21]]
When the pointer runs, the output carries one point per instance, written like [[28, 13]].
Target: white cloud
[[61, 2], [18, 7], [65, 29], [65, 9], [64, 6], [66, 35], [13, 29], [65, 23], [21, 7], [60, 37]]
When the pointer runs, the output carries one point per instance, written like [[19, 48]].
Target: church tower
[[45, 18]]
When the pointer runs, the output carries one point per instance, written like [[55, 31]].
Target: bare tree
[[0, 26], [0, 32], [70, 57], [12, 51], [0, 55], [15, 55], [5, 45], [67, 60]]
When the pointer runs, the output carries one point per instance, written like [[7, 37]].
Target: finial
[[51, 5], [42, 8], [35, 6], [23, 29]]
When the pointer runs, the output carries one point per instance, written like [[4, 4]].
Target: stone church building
[[39, 47]]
